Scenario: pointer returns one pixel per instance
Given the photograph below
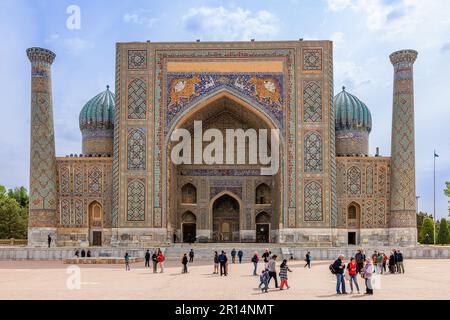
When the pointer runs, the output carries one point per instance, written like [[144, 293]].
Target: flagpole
[[434, 197]]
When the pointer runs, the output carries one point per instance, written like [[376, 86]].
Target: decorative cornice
[[404, 56], [41, 55]]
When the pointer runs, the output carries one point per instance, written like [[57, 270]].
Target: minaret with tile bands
[[402, 219], [43, 192]]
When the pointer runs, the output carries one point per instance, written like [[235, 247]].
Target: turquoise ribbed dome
[[351, 113], [98, 113]]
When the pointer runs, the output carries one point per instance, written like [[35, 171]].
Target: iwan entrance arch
[[223, 110]]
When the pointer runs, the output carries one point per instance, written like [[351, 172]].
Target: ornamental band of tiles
[[125, 191]]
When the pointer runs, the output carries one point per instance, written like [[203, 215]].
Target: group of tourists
[[366, 268], [84, 254], [269, 271], [157, 258]]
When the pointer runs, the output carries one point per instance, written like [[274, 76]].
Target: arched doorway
[[262, 223], [353, 222], [263, 194], [95, 223], [188, 194], [189, 227], [226, 219]]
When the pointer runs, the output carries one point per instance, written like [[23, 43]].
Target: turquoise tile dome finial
[[98, 113], [351, 113], [353, 124], [97, 123]]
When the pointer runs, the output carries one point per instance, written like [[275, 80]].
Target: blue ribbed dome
[[98, 113], [351, 113]]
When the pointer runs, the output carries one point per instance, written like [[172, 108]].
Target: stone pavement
[[424, 279]]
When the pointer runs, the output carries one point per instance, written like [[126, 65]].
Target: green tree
[[447, 193], [443, 236], [13, 216], [420, 217], [20, 195], [427, 228]]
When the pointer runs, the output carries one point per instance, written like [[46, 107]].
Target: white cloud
[[223, 24], [140, 17], [72, 45], [402, 19]]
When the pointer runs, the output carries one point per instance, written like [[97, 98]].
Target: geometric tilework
[[95, 180], [65, 212], [77, 180], [312, 59], [42, 179], [312, 101], [354, 181], [369, 180], [382, 179], [137, 59], [136, 149], [313, 201], [313, 152], [78, 212], [64, 180], [137, 99], [136, 201]]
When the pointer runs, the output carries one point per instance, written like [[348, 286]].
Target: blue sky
[[365, 32]]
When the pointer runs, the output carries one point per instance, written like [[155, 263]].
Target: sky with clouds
[[364, 32]]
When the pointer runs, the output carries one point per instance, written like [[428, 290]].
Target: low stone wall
[[100, 260], [205, 252]]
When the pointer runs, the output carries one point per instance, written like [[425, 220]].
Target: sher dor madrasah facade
[[124, 190]]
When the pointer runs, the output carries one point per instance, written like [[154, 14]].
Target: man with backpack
[[223, 263], [338, 268]]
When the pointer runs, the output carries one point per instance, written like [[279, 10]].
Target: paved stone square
[[424, 279]]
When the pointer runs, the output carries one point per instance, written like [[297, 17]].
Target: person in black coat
[[49, 240], [339, 269], [83, 253], [191, 256], [147, 259], [223, 263], [360, 258], [184, 262], [155, 261]]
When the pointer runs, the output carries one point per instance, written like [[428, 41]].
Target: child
[[184, 262], [265, 280], [127, 262], [283, 274]]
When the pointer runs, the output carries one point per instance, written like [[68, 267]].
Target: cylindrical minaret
[[402, 220], [43, 194]]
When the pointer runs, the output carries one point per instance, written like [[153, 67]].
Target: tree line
[[13, 213]]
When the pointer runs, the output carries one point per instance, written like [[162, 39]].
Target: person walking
[[77, 254], [399, 260], [339, 267], [155, 261], [308, 260], [360, 258], [184, 262], [147, 259], [127, 262], [367, 275], [392, 262], [240, 255], [284, 269], [191, 256], [264, 279], [49, 240], [233, 255], [161, 259], [255, 260], [380, 263], [266, 256], [385, 259], [352, 267], [216, 263], [223, 263], [272, 266]]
